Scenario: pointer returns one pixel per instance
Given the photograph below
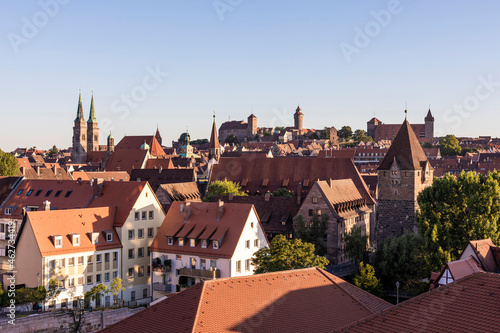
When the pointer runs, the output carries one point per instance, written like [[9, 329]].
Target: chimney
[[267, 196], [160, 169], [220, 209], [187, 210], [330, 183], [23, 170], [299, 193], [231, 196], [46, 205], [54, 168], [38, 170]]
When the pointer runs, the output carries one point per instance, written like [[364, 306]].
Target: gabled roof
[[405, 149], [182, 191], [62, 194], [156, 177], [121, 196], [96, 156], [343, 197], [46, 174], [206, 214], [104, 175], [7, 184], [126, 160], [46, 224], [303, 170], [302, 300], [483, 250], [156, 163], [468, 305], [460, 268], [429, 116], [134, 141]]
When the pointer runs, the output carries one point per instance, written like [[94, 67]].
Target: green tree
[[8, 165], [325, 133], [53, 151], [182, 138], [116, 287], [356, 246], [53, 290], [268, 133], [360, 135], [286, 254], [77, 315], [366, 280], [223, 187], [232, 139], [278, 129], [26, 296], [96, 293], [313, 231], [426, 144], [401, 260], [345, 133], [199, 141], [449, 145], [454, 211], [283, 192]]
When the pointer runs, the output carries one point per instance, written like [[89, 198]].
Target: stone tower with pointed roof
[[214, 148], [402, 175], [92, 129], [252, 124], [298, 117], [79, 152], [429, 125], [158, 136]]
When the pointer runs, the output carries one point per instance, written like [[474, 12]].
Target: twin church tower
[[85, 135]]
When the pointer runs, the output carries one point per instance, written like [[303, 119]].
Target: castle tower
[[111, 143], [298, 118], [429, 125], [371, 126], [214, 148], [252, 124], [402, 175], [92, 129], [79, 153]]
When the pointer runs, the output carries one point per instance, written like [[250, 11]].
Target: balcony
[[164, 288], [199, 273]]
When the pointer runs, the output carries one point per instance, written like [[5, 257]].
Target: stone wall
[[394, 217], [59, 322]]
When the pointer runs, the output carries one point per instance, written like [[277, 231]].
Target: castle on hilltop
[[380, 131]]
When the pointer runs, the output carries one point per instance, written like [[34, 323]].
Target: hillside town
[[195, 226]]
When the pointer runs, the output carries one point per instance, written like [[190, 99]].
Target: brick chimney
[[38, 170], [220, 209], [187, 210], [267, 196], [23, 170], [299, 193], [46, 205]]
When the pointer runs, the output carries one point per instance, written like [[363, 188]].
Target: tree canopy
[[224, 187], [360, 135], [232, 139], [325, 133], [449, 145], [356, 246], [313, 232], [53, 151], [286, 254], [345, 133], [8, 164], [454, 211], [366, 280], [283, 192]]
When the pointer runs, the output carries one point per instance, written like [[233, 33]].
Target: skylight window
[[20, 191], [29, 192], [68, 194], [58, 193], [38, 193], [48, 193]]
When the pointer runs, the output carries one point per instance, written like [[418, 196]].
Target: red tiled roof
[[126, 160], [24, 162], [461, 268], [302, 170], [134, 141], [156, 177], [182, 191], [156, 163], [302, 300], [483, 249], [468, 305], [104, 175], [96, 156], [73, 221], [406, 150]]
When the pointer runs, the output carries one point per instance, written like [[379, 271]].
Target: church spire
[[214, 140], [79, 109], [92, 118]]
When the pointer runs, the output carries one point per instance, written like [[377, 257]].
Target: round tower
[[298, 119]]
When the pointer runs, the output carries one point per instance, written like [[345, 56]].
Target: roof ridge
[[195, 323]]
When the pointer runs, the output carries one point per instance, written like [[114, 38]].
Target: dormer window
[[109, 236], [204, 243], [94, 236], [181, 241], [170, 240], [76, 240], [192, 242], [8, 211], [216, 244], [58, 242]]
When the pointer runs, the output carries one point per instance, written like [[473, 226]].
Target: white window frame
[[76, 240], [215, 244], [170, 240], [58, 242]]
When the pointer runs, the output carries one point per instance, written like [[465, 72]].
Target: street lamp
[[397, 292]]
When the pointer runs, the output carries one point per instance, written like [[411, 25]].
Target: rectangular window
[[192, 242], [130, 274], [151, 214], [58, 193], [76, 240], [247, 265], [136, 216], [48, 193], [80, 280], [8, 211], [131, 234], [80, 260], [62, 262], [181, 241], [89, 260], [29, 192], [68, 194], [141, 271], [140, 252], [204, 243], [52, 264], [62, 284], [150, 232], [89, 279], [115, 274], [115, 256], [238, 266], [144, 293], [132, 296], [140, 233], [144, 215], [251, 224], [130, 253], [71, 262], [98, 278], [95, 238], [71, 282], [247, 244], [109, 237], [256, 243], [318, 212], [193, 262], [106, 257], [314, 200], [311, 212], [106, 277], [98, 258], [58, 241], [216, 244], [213, 263], [203, 263]]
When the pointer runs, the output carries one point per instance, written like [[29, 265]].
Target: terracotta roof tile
[[182, 191], [127, 160], [156, 177], [483, 249]]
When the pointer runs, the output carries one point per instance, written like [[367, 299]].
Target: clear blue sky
[[267, 54]]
